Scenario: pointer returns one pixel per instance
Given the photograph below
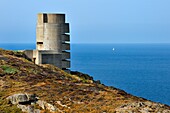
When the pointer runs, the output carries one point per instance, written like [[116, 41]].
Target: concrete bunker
[[52, 41]]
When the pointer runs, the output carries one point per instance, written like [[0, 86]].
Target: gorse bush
[[9, 70]]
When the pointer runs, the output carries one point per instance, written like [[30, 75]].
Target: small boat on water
[[113, 49]]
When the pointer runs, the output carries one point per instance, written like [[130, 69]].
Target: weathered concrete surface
[[50, 31], [52, 42]]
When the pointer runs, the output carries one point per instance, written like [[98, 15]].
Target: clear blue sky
[[91, 21]]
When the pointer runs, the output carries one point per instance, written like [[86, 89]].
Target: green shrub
[[9, 70]]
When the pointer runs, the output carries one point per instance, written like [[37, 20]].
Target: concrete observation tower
[[52, 41]]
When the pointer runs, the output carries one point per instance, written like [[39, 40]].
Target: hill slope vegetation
[[26, 87]]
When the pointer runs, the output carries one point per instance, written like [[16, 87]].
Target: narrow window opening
[[45, 18], [39, 42], [34, 60]]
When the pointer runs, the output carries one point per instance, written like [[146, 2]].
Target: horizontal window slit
[[39, 42]]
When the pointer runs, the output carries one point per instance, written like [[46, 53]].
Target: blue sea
[[140, 69]]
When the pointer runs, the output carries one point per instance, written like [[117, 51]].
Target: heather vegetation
[[72, 93]]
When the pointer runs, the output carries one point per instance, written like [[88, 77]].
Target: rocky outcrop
[[46, 105], [28, 109], [23, 98], [82, 75], [27, 103], [143, 107]]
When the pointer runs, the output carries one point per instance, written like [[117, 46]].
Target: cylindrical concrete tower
[[51, 29], [52, 40]]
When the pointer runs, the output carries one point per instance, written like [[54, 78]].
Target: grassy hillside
[[77, 93]]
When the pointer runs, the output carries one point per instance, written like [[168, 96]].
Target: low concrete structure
[[52, 41]]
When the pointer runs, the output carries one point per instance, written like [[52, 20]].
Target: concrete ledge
[[65, 55], [66, 28], [29, 53], [65, 64], [65, 37], [65, 46]]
